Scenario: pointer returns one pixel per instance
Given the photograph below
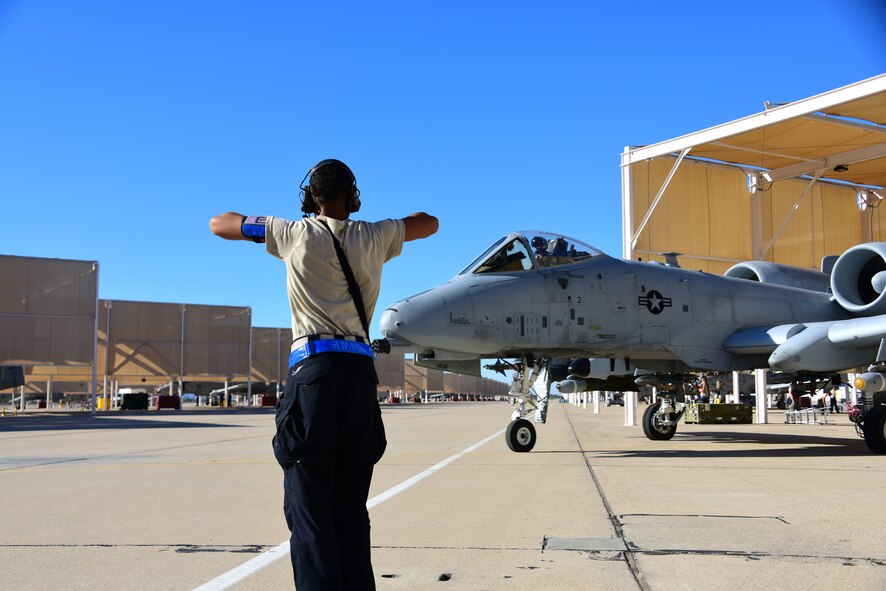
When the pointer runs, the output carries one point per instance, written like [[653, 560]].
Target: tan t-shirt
[[318, 291]]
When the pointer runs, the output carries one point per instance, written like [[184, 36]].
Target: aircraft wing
[[813, 346], [859, 332], [761, 339]]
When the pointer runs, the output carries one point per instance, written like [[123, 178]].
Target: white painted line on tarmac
[[250, 567], [254, 565], [396, 490]]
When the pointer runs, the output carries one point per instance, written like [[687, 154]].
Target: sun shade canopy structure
[[791, 184]]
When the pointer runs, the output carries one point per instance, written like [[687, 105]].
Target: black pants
[[329, 436]]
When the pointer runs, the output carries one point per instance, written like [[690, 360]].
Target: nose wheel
[[520, 436]]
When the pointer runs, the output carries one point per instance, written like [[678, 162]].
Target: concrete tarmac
[[173, 500]]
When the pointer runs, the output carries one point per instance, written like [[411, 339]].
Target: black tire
[[520, 436], [874, 428], [649, 425]]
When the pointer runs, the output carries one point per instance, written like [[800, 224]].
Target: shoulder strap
[[353, 288]]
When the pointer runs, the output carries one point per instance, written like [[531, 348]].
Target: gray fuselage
[[668, 317]]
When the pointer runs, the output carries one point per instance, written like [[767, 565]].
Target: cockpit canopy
[[529, 250]]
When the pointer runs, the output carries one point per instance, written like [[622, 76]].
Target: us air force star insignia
[[654, 302]]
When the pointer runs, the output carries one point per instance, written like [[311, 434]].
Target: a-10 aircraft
[[534, 297]]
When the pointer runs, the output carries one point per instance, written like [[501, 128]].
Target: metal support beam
[[750, 150], [249, 378], [108, 306], [95, 341], [630, 409], [664, 186], [756, 225], [627, 207], [866, 219], [845, 158], [794, 209], [847, 122], [853, 391], [181, 354], [279, 373], [760, 389], [772, 116]]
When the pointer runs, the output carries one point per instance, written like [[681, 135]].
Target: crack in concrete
[[617, 525], [752, 555], [618, 556], [775, 517]]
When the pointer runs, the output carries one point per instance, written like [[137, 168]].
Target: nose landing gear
[[520, 434]]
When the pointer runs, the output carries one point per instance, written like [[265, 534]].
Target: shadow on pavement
[[121, 421], [799, 445]]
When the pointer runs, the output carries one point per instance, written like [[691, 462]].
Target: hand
[[227, 226]]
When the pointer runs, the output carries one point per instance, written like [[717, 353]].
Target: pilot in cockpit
[[540, 245]]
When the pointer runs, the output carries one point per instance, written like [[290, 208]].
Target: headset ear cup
[[353, 204], [308, 205]]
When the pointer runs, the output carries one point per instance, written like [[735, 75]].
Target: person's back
[[319, 296], [329, 429]]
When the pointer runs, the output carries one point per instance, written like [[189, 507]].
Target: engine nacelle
[[767, 272], [858, 280]]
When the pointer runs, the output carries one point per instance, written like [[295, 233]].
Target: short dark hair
[[331, 182]]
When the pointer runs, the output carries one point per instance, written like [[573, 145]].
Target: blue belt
[[312, 348]]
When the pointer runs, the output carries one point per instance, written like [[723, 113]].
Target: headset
[[309, 205]]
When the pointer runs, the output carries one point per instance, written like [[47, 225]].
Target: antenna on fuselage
[[671, 259]]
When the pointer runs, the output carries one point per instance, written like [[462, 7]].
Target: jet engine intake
[[859, 278], [786, 275]]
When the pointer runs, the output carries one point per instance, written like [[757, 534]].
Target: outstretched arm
[[420, 225], [235, 226]]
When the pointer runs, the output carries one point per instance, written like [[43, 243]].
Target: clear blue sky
[[124, 126]]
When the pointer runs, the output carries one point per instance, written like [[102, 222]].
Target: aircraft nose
[[415, 320], [405, 321]]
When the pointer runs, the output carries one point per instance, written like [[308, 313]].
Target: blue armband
[[253, 227]]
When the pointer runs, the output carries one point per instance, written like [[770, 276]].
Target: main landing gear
[[871, 423], [873, 426], [520, 434], [660, 420]]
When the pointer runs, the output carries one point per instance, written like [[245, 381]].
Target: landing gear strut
[[520, 434]]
